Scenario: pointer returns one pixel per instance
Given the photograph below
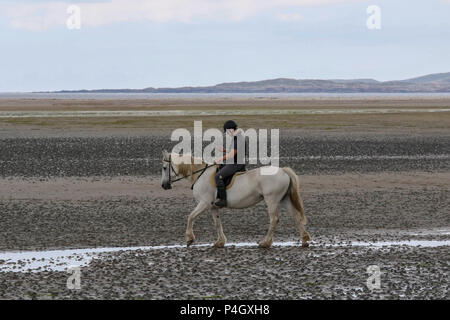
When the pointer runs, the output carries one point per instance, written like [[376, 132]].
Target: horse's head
[[165, 174]]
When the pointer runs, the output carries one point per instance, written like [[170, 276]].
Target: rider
[[234, 162]]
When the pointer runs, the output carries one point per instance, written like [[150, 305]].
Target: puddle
[[434, 232], [410, 243], [375, 157], [61, 260]]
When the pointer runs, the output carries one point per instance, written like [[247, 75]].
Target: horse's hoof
[[265, 245], [305, 245], [219, 245], [189, 242]]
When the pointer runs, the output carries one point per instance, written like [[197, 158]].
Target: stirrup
[[220, 203]]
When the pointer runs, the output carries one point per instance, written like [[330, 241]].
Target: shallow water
[[443, 232], [273, 95], [159, 113], [61, 260]]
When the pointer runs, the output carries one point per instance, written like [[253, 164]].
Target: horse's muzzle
[[166, 186]]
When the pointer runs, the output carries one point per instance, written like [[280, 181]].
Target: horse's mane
[[186, 164]]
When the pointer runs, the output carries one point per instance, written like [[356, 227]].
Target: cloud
[[41, 15], [289, 16]]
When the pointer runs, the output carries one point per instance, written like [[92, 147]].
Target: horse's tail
[[294, 193]]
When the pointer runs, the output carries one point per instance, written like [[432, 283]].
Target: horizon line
[[228, 82]]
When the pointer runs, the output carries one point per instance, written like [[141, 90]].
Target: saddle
[[228, 180]]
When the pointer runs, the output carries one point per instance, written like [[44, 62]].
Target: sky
[[172, 43]]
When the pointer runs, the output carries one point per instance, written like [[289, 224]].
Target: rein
[[184, 177]]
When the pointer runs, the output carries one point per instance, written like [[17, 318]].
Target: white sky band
[[180, 44]]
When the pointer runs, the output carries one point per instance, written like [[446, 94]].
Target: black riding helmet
[[230, 124]]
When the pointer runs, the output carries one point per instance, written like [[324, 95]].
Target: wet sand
[[376, 197]]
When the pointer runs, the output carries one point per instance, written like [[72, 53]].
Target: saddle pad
[[228, 182]]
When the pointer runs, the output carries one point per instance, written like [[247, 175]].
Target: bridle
[[171, 168]]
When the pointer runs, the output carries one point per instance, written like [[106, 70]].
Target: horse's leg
[[272, 206], [201, 207], [298, 222], [221, 239]]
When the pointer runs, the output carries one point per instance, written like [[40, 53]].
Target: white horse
[[248, 189]]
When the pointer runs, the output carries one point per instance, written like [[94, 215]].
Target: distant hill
[[438, 82], [435, 77]]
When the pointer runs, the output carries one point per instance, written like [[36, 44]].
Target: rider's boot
[[222, 197]]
